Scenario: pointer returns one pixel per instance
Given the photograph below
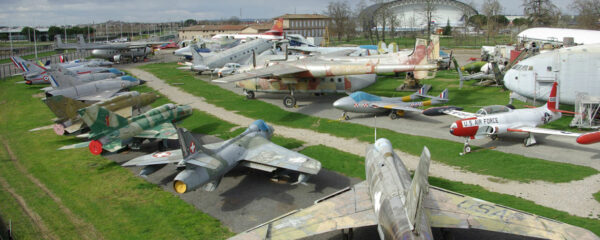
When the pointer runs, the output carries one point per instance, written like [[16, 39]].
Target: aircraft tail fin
[[278, 26], [189, 144], [17, 63], [552, 99], [381, 47], [444, 94], [433, 50], [100, 120], [64, 107], [423, 54], [59, 79], [197, 59], [27, 66], [58, 41], [81, 39], [418, 188]]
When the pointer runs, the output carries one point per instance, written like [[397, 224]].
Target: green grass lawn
[[597, 196], [97, 190], [486, 161]]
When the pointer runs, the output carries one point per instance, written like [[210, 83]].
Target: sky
[[61, 12]]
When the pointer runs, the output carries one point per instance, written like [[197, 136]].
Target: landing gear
[[289, 101], [466, 147], [348, 235], [136, 144], [345, 116], [494, 137], [530, 140], [163, 145], [395, 114], [135, 59], [249, 94]]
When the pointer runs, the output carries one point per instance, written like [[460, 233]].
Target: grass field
[[117, 203], [488, 162], [597, 196]]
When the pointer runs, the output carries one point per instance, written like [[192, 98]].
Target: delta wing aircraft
[[112, 132], [405, 208], [362, 102], [69, 86], [497, 119], [205, 165], [325, 74], [69, 121], [239, 54]]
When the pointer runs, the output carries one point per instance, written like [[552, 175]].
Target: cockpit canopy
[[363, 96], [493, 109]]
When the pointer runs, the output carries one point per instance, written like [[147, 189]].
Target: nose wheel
[[249, 94], [289, 101], [344, 116], [466, 147]]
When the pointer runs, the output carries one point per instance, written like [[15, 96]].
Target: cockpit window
[[360, 96], [493, 109]]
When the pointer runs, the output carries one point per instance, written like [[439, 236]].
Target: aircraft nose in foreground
[[342, 103]]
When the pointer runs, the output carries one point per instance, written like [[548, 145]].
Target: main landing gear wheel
[[289, 101], [393, 115], [249, 94]]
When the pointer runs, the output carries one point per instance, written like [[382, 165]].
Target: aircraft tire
[[347, 117], [289, 101], [250, 95], [393, 115], [135, 59], [467, 149]]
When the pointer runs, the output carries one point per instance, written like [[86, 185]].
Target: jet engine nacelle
[[190, 179], [117, 58], [491, 130]]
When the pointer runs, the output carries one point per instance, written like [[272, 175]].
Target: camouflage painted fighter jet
[[71, 87], [405, 208], [112, 132], [127, 104], [326, 74], [362, 102], [205, 165]]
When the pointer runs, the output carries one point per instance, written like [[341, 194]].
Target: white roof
[[557, 34]]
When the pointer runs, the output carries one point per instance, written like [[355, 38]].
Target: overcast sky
[[60, 12]]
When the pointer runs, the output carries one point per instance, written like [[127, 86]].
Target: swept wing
[[276, 70], [264, 152]]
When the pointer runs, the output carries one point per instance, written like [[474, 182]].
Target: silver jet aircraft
[[68, 86], [239, 54], [38, 74], [362, 102], [405, 208], [205, 165]]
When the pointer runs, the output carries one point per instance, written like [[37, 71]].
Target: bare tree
[[427, 11], [340, 14], [541, 12], [491, 8], [588, 13]]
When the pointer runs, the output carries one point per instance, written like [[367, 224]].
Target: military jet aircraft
[[127, 104], [497, 119], [112, 132], [38, 74], [405, 208], [362, 102], [205, 165], [69, 86], [113, 51], [319, 74]]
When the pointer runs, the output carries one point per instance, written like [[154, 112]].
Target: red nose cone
[[59, 129], [95, 147], [28, 82], [462, 131], [589, 138]]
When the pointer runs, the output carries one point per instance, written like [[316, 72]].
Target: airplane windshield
[[363, 96], [493, 109]]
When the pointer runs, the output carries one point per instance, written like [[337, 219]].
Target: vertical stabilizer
[[81, 39], [100, 120], [197, 59], [189, 144], [58, 78], [433, 50], [552, 99], [420, 57], [418, 189], [278, 26]]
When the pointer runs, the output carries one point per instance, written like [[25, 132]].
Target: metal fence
[[22, 51], [9, 69]]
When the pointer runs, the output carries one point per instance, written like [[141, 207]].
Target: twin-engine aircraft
[[205, 165], [497, 119], [405, 208]]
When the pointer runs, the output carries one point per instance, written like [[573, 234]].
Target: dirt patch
[[38, 95]]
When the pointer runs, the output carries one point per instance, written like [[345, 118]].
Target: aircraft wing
[[270, 71], [447, 209], [265, 153], [460, 114], [544, 131], [101, 96], [349, 208], [395, 106], [339, 53], [173, 156], [162, 131]]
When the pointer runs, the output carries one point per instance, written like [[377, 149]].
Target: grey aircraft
[[69, 86], [38, 74], [362, 102], [205, 165], [112, 51], [405, 208], [241, 54]]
